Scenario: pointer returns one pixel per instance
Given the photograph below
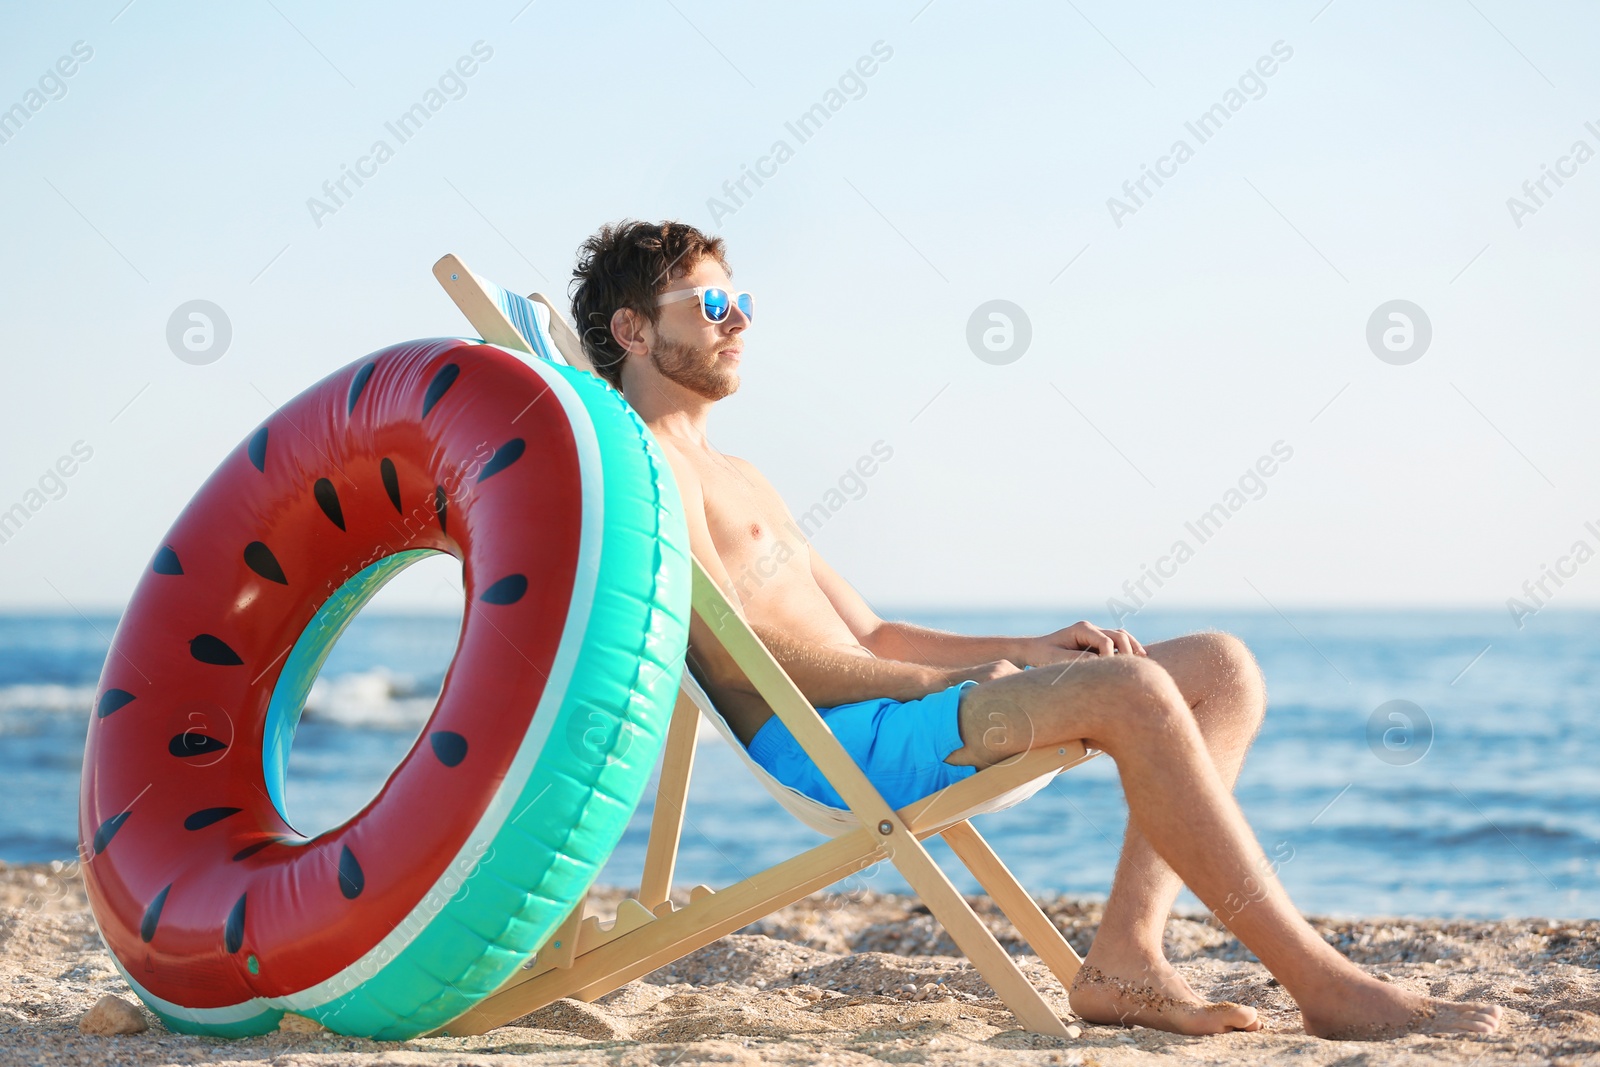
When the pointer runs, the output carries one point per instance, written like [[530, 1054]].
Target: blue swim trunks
[[900, 745]]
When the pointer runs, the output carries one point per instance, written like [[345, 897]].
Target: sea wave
[[375, 699], [1483, 835], [46, 697]]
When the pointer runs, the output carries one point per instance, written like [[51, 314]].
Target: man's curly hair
[[628, 265]]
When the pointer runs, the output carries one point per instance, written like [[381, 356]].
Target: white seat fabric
[[821, 817]]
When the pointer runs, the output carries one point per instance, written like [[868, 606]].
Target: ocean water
[[1412, 763]]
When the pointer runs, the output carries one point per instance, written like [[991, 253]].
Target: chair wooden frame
[[586, 958]]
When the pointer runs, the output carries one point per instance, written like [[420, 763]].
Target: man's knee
[[1238, 662], [1231, 670], [1208, 659], [1138, 696]]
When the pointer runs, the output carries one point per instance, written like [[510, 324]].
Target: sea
[[1413, 763]]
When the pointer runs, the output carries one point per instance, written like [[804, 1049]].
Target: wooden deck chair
[[586, 958]]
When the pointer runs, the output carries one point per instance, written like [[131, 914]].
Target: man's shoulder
[[709, 476], [750, 473]]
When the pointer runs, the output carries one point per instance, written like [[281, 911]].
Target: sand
[[841, 979]]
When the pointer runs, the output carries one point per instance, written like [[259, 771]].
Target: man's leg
[[1131, 708], [1127, 978]]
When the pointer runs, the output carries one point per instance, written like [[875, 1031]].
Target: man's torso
[[769, 565]]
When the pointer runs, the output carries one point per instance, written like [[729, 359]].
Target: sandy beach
[[844, 978]]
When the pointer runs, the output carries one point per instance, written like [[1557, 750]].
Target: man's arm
[[904, 640], [825, 676], [828, 677]]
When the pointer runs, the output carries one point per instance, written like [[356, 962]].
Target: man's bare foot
[[1155, 996], [1376, 1011]]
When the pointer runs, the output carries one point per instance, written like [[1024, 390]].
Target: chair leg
[[973, 938], [672, 790], [671, 935], [562, 946], [1007, 893]]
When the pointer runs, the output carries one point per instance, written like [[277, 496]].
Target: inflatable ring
[[554, 496]]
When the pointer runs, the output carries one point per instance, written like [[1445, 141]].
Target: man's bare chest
[[752, 529]]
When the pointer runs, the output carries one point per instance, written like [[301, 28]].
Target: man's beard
[[698, 370]]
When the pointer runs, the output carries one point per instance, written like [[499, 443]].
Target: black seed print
[[152, 915], [189, 743], [112, 700], [359, 384], [259, 558], [351, 879], [328, 501], [450, 747], [250, 850], [258, 450], [507, 590], [108, 830], [391, 483], [503, 457], [206, 816], [443, 380], [209, 649], [233, 931]]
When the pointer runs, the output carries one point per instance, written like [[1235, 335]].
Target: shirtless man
[[1176, 717]]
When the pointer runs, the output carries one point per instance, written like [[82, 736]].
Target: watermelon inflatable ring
[[552, 493]]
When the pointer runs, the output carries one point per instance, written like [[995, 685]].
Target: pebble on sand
[[112, 1015]]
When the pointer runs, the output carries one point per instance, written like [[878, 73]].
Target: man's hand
[[1078, 639]]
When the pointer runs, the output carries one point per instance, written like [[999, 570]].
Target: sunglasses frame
[[698, 292]]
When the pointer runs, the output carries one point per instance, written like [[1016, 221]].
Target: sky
[[1220, 342]]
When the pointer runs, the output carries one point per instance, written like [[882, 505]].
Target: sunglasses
[[715, 302]]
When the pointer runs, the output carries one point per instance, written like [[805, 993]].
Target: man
[[919, 709]]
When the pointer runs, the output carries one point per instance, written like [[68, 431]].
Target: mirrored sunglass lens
[[747, 304], [716, 304]]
